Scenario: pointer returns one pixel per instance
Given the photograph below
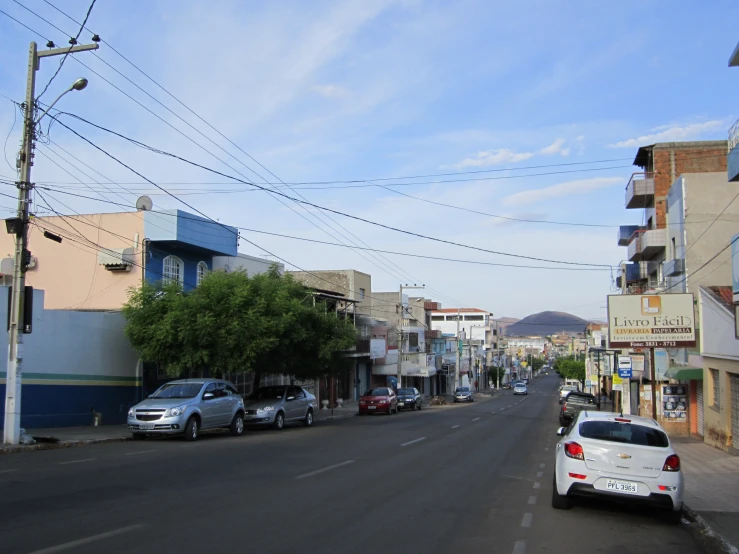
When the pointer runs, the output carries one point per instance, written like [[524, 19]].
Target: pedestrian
[[476, 387]]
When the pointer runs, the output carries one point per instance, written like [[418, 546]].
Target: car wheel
[[308, 421], [191, 429], [237, 425], [672, 517], [279, 421], [559, 502], [139, 436]]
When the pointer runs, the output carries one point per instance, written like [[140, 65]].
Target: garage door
[[699, 405], [734, 383]]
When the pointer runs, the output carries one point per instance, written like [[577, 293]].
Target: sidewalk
[[711, 487], [66, 437]]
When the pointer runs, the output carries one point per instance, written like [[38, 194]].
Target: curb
[[709, 539], [58, 445]]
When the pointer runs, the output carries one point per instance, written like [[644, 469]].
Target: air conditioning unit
[[117, 259]]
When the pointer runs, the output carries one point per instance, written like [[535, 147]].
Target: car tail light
[[667, 488], [564, 406], [672, 463], [574, 450], [577, 476]]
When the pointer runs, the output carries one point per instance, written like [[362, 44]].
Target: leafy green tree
[[570, 368], [496, 374], [235, 323]]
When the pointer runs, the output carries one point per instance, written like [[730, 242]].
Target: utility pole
[[497, 348], [458, 361], [19, 227], [400, 328]]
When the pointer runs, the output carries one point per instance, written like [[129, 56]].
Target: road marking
[[413, 441], [87, 540], [526, 521], [537, 484], [542, 465], [8, 470], [322, 470], [476, 419], [455, 426], [539, 473], [77, 461], [519, 547], [532, 500], [139, 452]]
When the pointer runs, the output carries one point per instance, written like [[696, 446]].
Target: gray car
[[279, 404], [187, 406]]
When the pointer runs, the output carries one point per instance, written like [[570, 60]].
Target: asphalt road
[[465, 478]]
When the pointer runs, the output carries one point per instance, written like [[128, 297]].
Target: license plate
[[621, 486], [146, 426], [401, 404], [371, 407]]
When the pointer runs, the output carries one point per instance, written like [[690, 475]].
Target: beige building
[[351, 283]]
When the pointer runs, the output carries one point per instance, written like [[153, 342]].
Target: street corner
[[706, 534]]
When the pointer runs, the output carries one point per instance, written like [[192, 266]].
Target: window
[[474, 318], [673, 251], [202, 272], [361, 294], [716, 389], [173, 270], [437, 318], [627, 433]]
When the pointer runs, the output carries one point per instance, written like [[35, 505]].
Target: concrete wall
[[74, 363], [241, 262], [69, 272], [348, 282]]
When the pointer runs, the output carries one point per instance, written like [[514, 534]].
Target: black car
[[409, 399], [574, 404]]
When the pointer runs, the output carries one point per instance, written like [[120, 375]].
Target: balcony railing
[[675, 267], [652, 243], [634, 247], [640, 191], [733, 136], [625, 232]]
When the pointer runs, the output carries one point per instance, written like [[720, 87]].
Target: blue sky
[[338, 91]]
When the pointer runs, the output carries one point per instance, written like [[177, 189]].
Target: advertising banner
[[651, 321]]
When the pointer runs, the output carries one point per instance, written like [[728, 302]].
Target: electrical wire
[[5, 146], [692, 273]]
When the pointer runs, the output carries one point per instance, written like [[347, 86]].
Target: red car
[[378, 399]]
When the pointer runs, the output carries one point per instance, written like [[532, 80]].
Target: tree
[[570, 368], [496, 374], [235, 323], [537, 364]]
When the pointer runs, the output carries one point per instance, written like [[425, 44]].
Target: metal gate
[[699, 405], [734, 384]]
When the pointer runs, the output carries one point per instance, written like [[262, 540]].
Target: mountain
[[547, 323], [504, 322]]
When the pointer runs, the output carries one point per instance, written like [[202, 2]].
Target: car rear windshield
[[627, 433], [376, 392], [406, 391], [580, 398], [463, 389], [268, 393], [178, 390]]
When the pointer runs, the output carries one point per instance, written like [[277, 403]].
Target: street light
[[79, 84]]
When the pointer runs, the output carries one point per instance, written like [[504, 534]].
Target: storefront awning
[[685, 373]]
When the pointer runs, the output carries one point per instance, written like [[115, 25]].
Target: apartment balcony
[[625, 232], [634, 248], [640, 191], [675, 267], [361, 349], [652, 243], [732, 161]]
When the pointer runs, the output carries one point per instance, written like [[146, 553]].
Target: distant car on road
[[520, 388], [409, 399], [187, 406], [463, 394], [574, 404], [378, 400], [277, 405], [623, 458]]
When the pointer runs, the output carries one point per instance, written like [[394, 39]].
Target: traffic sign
[[624, 367]]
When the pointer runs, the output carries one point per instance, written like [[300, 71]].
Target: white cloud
[[331, 91], [673, 134], [494, 157], [556, 148], [563, 189]]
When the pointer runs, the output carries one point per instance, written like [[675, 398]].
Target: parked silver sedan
[[187, 406], [279, 404]]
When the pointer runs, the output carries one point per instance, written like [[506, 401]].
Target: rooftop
[[460, 310]]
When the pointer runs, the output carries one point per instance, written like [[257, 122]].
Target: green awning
[[685, 373]]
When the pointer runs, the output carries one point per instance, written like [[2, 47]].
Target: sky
[[537, 108]]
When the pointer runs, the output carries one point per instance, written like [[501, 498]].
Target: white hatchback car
[[626, 458]]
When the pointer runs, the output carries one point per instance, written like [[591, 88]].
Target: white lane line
[[139, 452], [86, 540], [526, 521], [476, 419], [532, 500], [519, 547], [413, 441], [77, 461], [7, 471], [455, 427], [537, 484], [539, 473], [322, 470], [542, 465]]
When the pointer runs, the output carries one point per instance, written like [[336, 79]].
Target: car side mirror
[[290, 398], [208, 396], [561, 431]]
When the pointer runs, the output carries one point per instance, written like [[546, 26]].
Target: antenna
[[144, 204]]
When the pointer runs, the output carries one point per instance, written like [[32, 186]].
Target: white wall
[[242, 262], [716, 329]]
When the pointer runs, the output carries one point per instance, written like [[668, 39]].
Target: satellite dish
[[144, 204]]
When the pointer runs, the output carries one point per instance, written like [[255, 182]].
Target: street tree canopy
[[235, 323], [570, 368]]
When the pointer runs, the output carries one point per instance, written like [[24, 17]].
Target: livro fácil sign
[[651, 320]]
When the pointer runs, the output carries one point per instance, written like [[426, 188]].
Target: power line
[[692, 273]]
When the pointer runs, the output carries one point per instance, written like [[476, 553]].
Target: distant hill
[[547, 323], [504, 322]]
